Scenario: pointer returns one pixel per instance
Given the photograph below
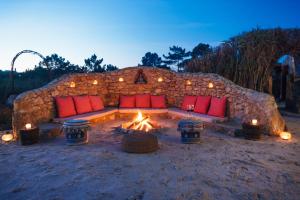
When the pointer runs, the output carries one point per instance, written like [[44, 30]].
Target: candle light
[[254, 122], [188, 82], [285, 135], [72, 84], [160, 79], [210, 85], [121, 79], [28, 126], [95, 82]]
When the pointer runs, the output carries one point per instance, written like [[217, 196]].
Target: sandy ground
[[221, 167]]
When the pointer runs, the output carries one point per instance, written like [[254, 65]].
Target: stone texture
[[37, 106]]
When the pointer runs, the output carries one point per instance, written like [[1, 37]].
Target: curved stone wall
[[37, 105]]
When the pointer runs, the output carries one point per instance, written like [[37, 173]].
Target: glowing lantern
[[95, 82], [121, 79], [210, 85], [72, 84], [7, 137], [160, 79], [254, 122], [27, 126], [188, 82], [285, 135]]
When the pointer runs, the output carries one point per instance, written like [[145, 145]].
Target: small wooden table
[[252, 132], [29, 136]]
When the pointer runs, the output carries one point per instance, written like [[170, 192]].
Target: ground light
[[7, 137], [285, 135]]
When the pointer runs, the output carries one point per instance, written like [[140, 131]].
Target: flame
[[139, 117], [142, 123]]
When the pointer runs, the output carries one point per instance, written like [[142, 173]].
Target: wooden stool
[[190, 130]]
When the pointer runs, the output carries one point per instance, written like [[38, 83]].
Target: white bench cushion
[[202, 117], [171, 111]]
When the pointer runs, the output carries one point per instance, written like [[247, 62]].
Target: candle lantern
[[121, 79], [160, 79], [28, 126]]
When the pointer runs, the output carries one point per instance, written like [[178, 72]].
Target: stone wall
[[37, 106]]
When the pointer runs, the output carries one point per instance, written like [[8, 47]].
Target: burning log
[[140, 123], [136, 123]]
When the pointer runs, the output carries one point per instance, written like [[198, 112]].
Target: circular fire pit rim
[[139, 143]]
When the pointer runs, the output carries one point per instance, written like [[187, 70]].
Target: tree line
[[246, 59], [249, 58], [177, 58]]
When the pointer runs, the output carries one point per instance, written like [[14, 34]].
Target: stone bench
[[144, 110], [171, 111], [49, 130]]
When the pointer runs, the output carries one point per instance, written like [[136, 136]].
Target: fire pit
[[140, 124]]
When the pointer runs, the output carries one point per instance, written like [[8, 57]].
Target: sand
[[221, 167]]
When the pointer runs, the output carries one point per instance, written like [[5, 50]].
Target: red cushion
[[188, 100], [142, 101], [96, 103], [158, 101], [202, 104], [127, 101], [217, 107], [65, 106], [82, 104]]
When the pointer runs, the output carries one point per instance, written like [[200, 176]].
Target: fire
[[139, 117], [141, 123]]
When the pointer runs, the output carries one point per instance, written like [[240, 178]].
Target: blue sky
[[122, 31]]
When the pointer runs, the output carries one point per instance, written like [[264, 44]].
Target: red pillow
[[142, 100], [65, 106], [82, 104], [217, 107], [202, 104], [188, 100], [127, 101], [158, 101], [96, 103]]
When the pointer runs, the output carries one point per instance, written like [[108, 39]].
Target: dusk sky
[[122, 31]]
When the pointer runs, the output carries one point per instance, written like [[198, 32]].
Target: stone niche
[[37, 106]]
